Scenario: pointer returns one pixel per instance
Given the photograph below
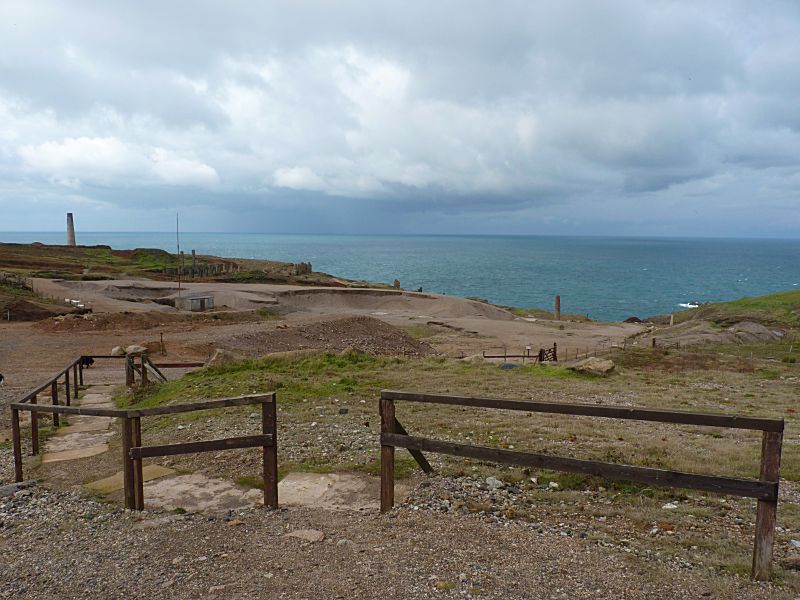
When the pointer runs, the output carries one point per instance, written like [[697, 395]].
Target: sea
[[606, 278]]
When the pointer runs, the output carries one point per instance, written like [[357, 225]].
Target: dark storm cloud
[[517, 116]]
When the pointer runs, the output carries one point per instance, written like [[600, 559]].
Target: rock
[[307, 535], [13, 488], [508, 366], [117, 351], [135, 350], [222, 358], [594, 366], [343, 411], [632, 320], [494, 483], [670, 506], [794, 543], [553, 485], [791, 564]]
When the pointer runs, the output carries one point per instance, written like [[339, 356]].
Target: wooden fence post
[[555, 352], [387, 456], [66, 388], [54, 396], [767, 510], [80, 371], [75, 380], [17, 442], [130, 377], [145, 380], [138, 479], [269, 425], [34, 429], [127, 464]]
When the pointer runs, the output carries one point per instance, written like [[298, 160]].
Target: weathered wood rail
[[132, 449], [764, 489]]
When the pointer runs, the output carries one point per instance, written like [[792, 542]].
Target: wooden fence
[[132, 449], [764, 489]]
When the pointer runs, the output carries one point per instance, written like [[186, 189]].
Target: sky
[[578, 118]]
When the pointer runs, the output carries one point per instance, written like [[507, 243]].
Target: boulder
[[594, 366], [135, 350], [222, 358], [117, 351], [307, 535]]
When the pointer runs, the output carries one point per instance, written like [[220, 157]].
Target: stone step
[[115, 482]]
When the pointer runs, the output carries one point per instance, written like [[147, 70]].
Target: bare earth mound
[[364, 334]]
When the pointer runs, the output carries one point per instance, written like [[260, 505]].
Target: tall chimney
[[70, 230]]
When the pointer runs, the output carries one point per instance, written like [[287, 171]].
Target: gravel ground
[[57, 545]]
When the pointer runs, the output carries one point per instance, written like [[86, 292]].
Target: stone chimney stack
[[70, 230]]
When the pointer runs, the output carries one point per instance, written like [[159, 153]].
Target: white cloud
[[109, 160], [298, 178]]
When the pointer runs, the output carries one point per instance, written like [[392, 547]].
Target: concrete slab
[[96, 401], [198, 493], [74, 441], [115, 482], [51, 457], [86, 424], [334, 491]]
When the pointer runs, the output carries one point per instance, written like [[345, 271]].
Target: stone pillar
[[70, 230]]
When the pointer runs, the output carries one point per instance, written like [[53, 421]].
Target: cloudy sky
[[648, 118]]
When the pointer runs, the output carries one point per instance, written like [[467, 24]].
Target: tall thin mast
[[178, 243]]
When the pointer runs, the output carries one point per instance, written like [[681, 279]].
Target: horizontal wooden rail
[[70, 410], [764, 489], [203, 405], [179, 365], [593, 410], [248, 441], [748, 488]]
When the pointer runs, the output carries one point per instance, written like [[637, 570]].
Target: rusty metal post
[[269, 424], [767, 509], [387, 456], [17, 442]]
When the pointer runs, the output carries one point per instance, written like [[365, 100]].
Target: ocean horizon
[[607, 278]]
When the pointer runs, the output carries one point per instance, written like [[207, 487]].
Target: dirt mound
[[363, 334], [24, 310], [703, 332], [141, 321]]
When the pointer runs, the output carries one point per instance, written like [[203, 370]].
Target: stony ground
[[57, 545]]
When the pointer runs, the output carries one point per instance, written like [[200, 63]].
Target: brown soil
[[363, 334], [25, 310], [141, 321]]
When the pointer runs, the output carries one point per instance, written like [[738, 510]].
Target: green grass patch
[[419, 332], [782, 309]]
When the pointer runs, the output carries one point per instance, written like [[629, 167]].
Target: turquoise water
[[606, 278]]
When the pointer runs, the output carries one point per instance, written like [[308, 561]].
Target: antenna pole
[[178, 242]]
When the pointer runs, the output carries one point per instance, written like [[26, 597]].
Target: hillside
[[781, 309]]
